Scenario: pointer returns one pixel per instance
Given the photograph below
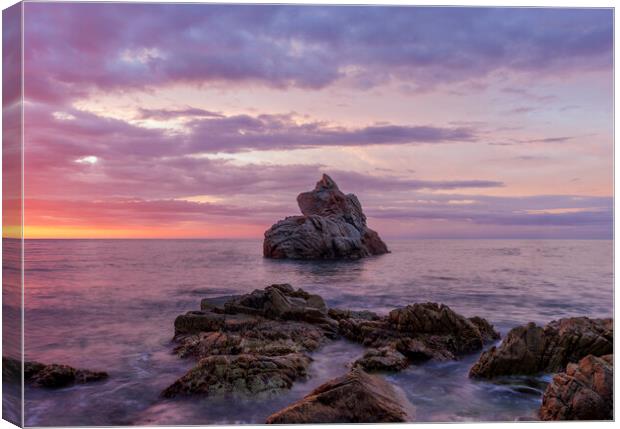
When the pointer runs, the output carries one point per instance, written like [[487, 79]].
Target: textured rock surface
[[51, 375], [532, 349], [583, 392], [383, 359], [241, 335], [356, 397], [333, 226], [419, 331], [266, 337], [245, 374], [261, 336], [282, 302]]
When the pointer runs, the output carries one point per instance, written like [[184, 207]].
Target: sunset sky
[[207, 121]]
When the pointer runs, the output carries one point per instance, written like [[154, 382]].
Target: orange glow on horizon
[[107, 231]]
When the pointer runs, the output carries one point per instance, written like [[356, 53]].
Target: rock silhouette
[[333, 226]]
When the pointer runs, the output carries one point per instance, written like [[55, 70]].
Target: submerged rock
[[583, 392], [333, 226], [245, 374], [50, 375], [419, 332], [356, 397], [531, 349]]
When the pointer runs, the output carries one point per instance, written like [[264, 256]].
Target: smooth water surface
[[110, 305]]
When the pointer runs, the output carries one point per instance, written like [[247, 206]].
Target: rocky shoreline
[[260, 343]]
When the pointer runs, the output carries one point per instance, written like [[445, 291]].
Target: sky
[[206, 121]]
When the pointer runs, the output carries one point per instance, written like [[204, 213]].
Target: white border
[[531, 3]]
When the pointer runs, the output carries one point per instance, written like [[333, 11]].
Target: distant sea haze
[[111, 304]]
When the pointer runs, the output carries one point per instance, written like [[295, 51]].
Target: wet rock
[[216, 304], [243, 312], [356, 397], [50, 375], [198, 321], [54, 375], [266, 337], [383, 359], [339, 314], [333, 226], [420, 332], [240, 374], [465, 335], [531, 349], [283, 302], [583, 392], [262, 335]]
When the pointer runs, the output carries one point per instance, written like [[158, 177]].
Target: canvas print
[[291, 214]]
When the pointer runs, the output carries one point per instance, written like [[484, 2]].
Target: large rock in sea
[[531, 349], [583, 392], [333, 226], [356, 397]]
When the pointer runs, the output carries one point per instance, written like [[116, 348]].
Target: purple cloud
[[73, 48], [166, 114], [263, 132]]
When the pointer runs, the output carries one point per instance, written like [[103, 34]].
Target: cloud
[[549, 140], [522, 109], [267, 132], [531, 158], [51, 136], [540, 211], [95, 157], [167, 114], [544, 140], [75, 48], [527, 94], [137, 212]]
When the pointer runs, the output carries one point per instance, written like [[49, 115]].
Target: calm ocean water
[[110, 305]]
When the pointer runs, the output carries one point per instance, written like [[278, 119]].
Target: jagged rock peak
[[333, 226], [326, 182]]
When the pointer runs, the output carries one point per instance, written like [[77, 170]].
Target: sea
[[110, 305]]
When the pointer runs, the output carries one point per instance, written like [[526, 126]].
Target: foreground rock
[[418, 332], [52, 375], [383, 359], [531, 349], [583, 392], [251, 343], [356, 397], [245, 374], [333, 226], [259, 341], [277, 320]]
